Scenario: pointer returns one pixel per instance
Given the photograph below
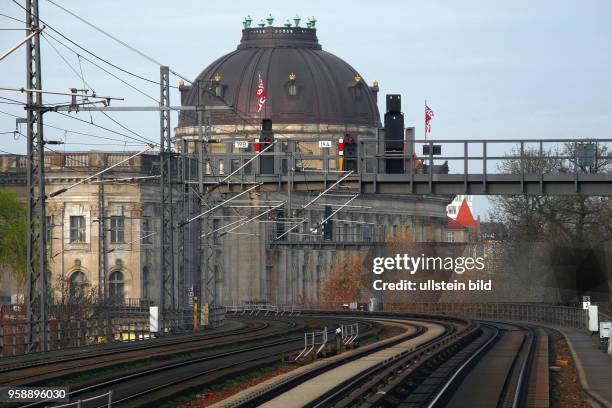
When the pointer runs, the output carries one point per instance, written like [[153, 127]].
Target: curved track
[[153, 385], [485, 364], [499, 376], [331, 383], [37, 372]]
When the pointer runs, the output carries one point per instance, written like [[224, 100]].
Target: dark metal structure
[[37, 285], [166, 252], [474, 173]]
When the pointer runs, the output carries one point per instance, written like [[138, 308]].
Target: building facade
[[311, 95]]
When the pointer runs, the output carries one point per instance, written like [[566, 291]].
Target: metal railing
[[466, 166], [263, 309], [78, 404], [99, 328], [530, 312], [349, 333], [311, 341]]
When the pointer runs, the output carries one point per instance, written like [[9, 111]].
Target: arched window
[[292, 89], [115, 287], [78, 283], [146, 283]]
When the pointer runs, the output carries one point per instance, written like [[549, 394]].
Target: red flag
[[428, 117], [260, 93]]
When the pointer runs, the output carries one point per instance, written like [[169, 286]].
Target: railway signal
[[350, 153], [266, 138]]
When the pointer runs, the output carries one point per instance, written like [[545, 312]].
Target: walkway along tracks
[[452, 327], [425, 377]]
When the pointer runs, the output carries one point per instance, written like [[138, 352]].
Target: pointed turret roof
[[465, 217]]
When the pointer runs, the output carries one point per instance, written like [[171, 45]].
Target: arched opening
[[116, 287], [78, 284], [146, 282]]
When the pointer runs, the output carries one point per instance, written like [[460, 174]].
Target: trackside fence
[[529, 312]]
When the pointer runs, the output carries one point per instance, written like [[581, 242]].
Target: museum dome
[[303, 83]]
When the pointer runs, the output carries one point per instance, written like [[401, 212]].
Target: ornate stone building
[[312, 95], [73, 217]]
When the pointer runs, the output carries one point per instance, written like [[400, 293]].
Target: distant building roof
[[324, 88], [452, 224], [465, 217]]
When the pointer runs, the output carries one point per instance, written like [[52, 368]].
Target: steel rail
[[157, 371], [118, 349]]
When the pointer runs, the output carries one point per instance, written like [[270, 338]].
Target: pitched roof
[[465, 217], [452, 224]]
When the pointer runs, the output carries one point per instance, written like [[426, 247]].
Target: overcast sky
[[489, 69]]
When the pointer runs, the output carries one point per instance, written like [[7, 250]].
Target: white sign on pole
[[153, 319], [325, 143], [605, 330], [593, 318], [241, 144], [586, 302]]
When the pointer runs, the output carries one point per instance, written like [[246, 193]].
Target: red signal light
[[349, 139], [267, 139]]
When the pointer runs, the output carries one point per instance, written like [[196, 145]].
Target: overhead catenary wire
[[81, 76], [252, 218], [83, 48], [63, 190], [143, 143], [142, 54]]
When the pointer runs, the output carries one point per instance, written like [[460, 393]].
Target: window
[[117, 229], [367, 233], [146, 232], [450, 236], [49, 229], [292, 89], [452, 210], [207, 168], [219, 90], [115, 288], [146, 284], [77, 229], [78, 283]]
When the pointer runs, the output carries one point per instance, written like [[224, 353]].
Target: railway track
[[37, 372], [483, 364], [151, 386], [356, 370], [500, 375], [442, 362]]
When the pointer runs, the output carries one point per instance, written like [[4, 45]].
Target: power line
[[143, 139], [82, 78], [74, 131], [116, 39], [12, 18], [94, 64], [84, 49]]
